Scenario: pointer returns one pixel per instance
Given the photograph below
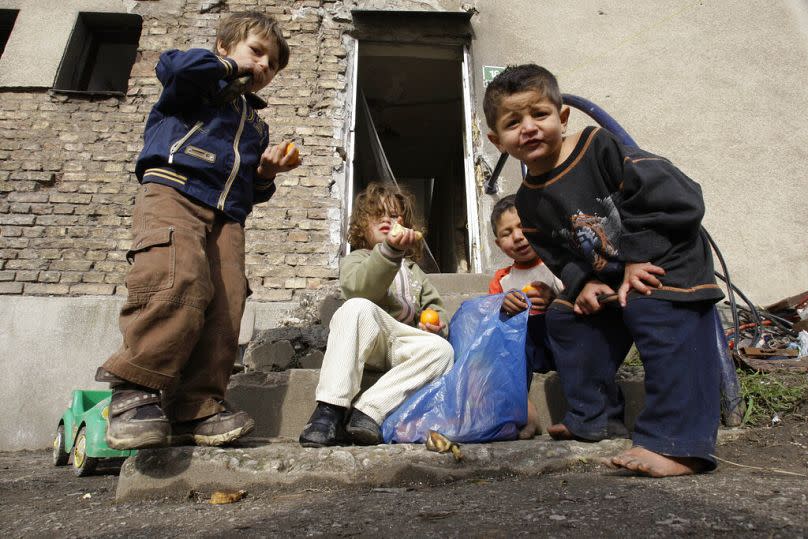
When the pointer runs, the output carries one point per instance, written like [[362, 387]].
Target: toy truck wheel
[[82, 464], [60, 456]]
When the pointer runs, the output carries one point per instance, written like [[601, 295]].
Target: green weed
[[767, 394]]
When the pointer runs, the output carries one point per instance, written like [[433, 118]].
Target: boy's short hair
[[236, 27], [515, 79], [502, 205], [372, 203]]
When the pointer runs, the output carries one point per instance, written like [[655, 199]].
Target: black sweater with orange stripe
[[608, 204]]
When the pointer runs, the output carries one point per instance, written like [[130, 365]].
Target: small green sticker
[[489, 72]]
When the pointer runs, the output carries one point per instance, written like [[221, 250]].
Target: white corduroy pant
[[363, 335]]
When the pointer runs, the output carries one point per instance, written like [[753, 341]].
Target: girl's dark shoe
[[363, 430], [325, 427], [219, 429], [136, 419]]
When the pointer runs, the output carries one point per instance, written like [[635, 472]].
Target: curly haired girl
[[377, 327]]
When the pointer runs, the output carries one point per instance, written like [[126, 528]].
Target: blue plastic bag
[[483, 397]]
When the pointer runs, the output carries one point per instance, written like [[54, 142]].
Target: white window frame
[[473, 224]]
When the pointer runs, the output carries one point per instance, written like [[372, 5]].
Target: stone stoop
[[282, 402]]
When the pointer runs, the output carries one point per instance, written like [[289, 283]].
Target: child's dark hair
[[515, 79], [237, 27], [372, 203], [502, 205]]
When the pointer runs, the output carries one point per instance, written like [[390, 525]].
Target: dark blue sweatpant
[[676, 342], [537, 350]]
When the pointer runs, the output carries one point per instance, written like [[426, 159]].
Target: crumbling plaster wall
[[681, 76], [718, 87]]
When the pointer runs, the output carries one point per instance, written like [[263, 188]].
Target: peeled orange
[[430, 316], [292, 149], [398, 229], [527, 288]]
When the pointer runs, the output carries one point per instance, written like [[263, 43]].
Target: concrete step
[[455, 288], [277, 466], [282, 402], [271, 459], [460, 283]]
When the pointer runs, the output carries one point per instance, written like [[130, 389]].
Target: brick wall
[[66, 164]]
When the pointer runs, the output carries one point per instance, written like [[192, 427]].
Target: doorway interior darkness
[[415, 98]]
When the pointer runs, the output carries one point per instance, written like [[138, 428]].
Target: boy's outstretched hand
[[513, 303], [539, 294], [587, 301], [275, 160], [639, 276]]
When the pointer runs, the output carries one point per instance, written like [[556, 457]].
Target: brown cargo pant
[[187, 291]]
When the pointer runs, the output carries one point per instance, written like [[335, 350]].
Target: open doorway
[[414, 119]]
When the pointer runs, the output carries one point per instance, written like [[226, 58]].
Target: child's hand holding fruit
[[401, 237], [282, 157], [430, 321], [539, 294]]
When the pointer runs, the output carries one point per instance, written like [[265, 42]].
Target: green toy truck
[[81, 432]]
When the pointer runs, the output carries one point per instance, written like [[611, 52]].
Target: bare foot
[[528, 431], [559, 431], [533, 426], [645, 462]]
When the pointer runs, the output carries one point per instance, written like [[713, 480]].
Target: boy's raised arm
[[187, 75], [660, 205]]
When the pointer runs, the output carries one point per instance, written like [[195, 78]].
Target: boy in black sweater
[[620, 227]]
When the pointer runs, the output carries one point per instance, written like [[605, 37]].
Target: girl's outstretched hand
[[401, 237]]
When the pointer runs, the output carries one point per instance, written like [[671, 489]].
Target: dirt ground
[[38, 500]]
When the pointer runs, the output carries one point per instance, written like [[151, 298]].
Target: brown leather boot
[[219, 429]]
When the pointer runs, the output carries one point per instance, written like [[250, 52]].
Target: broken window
[[100, 54], [7, 18], [411, 126]]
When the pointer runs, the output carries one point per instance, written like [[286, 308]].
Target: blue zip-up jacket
[[209, 152]]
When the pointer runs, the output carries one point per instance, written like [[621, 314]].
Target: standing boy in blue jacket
[[205, 162]]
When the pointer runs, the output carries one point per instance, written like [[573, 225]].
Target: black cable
[[491, 184], [730, 295], [752, 309]]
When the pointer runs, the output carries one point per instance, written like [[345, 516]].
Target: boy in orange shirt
[[526, 271]]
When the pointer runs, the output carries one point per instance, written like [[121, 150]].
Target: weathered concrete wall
[[48, 24], [51, 346], [681, 76], [717, 87]]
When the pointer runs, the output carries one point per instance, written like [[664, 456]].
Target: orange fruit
[[292, 149], [527, 288], [430, 316]]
